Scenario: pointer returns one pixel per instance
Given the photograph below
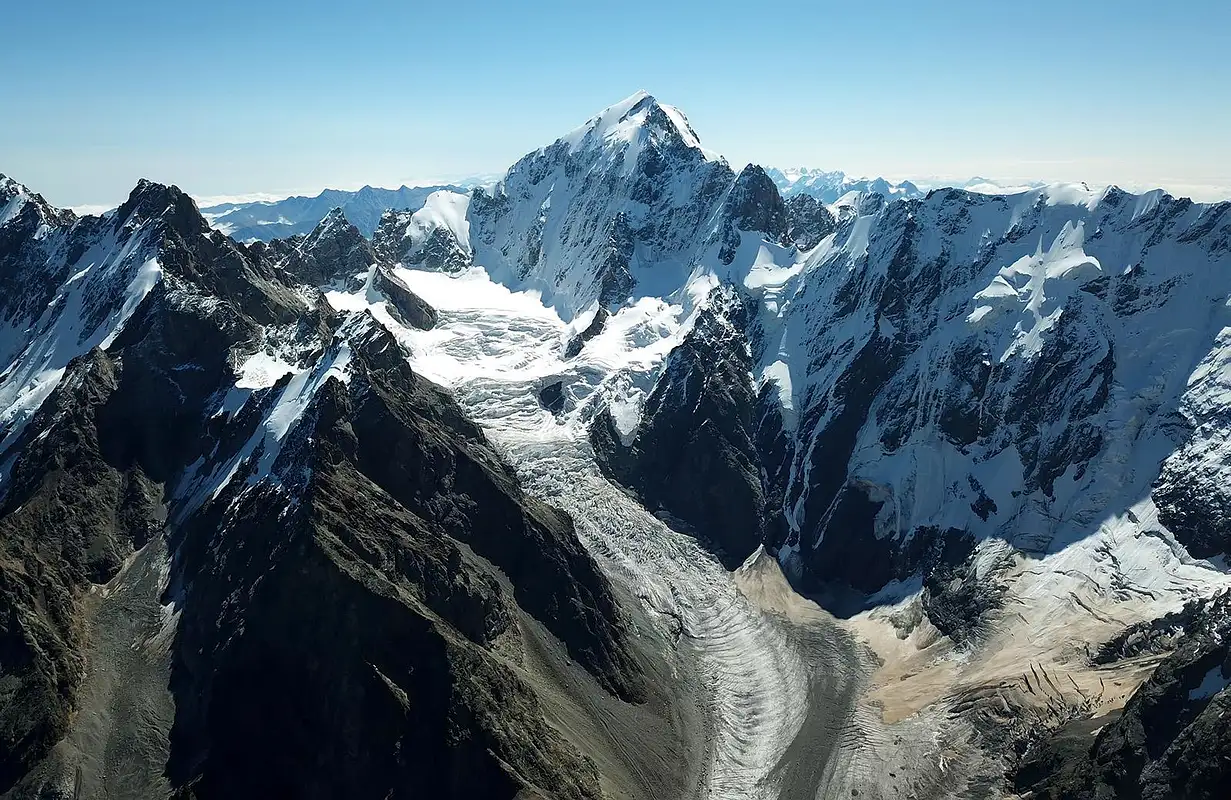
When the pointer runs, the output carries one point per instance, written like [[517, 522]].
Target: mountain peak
[[8, 186], [335, 216], [12, 197], [622, 122], [335, 225], [15, 197], [149, 200]]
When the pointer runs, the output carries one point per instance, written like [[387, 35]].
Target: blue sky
[[229, 98]]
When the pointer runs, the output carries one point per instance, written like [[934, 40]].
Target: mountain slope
[[198, 496], [617, 206], [1011, 401]]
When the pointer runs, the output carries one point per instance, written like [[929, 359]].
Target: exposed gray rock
[[552, 397], [408, 307], [575, 345], [332, 252], [808, 221], [398, 240]]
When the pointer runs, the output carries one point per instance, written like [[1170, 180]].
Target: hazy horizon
[[1120, 93]]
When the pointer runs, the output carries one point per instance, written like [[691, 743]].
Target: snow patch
[[779, 373], [262, 370], [1211, 684], [442, 209]]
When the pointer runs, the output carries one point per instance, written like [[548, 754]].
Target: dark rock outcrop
[[399, 241], [808, 221], [575, 345], [693, 455], [406, 306], [957, 597], [1170, 740], [1199, 514], [336, 254], [333, 252], [753, 204], [552, 398]]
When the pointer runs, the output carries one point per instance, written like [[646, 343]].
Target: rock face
[[694, 456], [332, 252], [352, 567], [409, 308], [914, 352], [752, 204], [336, 255], [435, 237], [808, 221], [573, 219], [1170, 740], [575, 345], [917, 398]]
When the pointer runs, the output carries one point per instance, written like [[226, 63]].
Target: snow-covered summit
[[638, 115], [15, 197], [614, 209], [437, 236], [11, 192]]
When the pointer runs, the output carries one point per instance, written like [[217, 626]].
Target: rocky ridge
[[195, 407]]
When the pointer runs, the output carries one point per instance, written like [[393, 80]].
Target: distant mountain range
[[829, 186], [266, 221]]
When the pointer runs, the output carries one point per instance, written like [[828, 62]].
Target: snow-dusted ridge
[[85, 306], [266, 219]]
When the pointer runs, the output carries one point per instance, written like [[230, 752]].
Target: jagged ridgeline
[[247, 550], [957, 464]]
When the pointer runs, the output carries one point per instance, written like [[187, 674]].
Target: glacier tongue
[[495, 349]]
